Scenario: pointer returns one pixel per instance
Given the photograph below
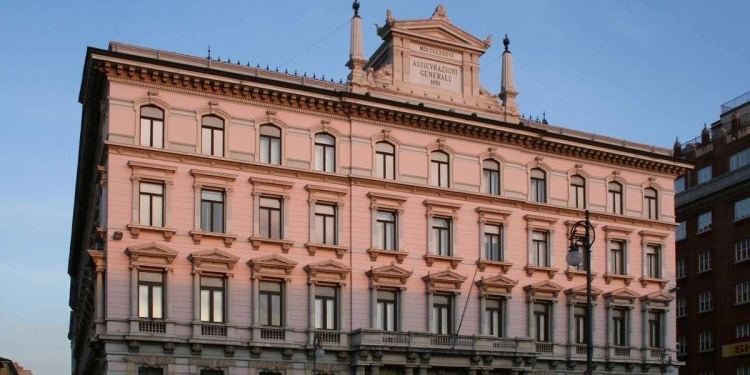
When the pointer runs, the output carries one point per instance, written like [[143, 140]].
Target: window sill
[[312, 247], [504, 266], [257, 241], [704, 271], [646, 280], [741, 261], [226, 237], [400, 255], [608, 277], [551, 271], [431, 258], [135, 230], [572, 273], [705, 311], [737, 221], [704, 231]]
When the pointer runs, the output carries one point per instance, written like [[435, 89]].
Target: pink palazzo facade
[[225, 215]]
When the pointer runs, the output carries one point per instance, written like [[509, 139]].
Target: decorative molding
[[135, 230], [608, 277], [327, 271], [530, 269], [390, 275], [256, 241], [340, 250], [445, 281], [213, 260], [498, 285], [504, 266], [543, 288], [273, 265], [227, 238], [431, 258], [151, 255], [399, 255]]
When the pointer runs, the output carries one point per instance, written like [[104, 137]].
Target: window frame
[[742, 292], [538, 186], [495, 328], [437, 319], [267, 156], [382, 316], [269, 211], [705, 301], [739, 159], [653, 261], [212, 299], [704, 174], [743, 212], [493, 238], [578, 191], [680, 184], [382, 157], [705, 341], [681, 231], [491, 177], [651, 203], [681, 268], [742, 250], [615, 198], [705, 260], [213, 204], [150, 196], [323, 232], [622, 330], [614, 269], [542, 335], [580, 316], [705, 221], [655, 321], [544, 246], [382, 226], [150, 123], [213, 130], [323, 164], [269, 294], [437, 234], [150, 293], [324, 313], [436, 176]]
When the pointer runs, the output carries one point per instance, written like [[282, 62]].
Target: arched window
[[325, 152], [615, 197], [651, 203], [270, 144], [439, 169], [385, 160], [491, 175], [578, 191], [152, 126], [212, 135], [538, 185]]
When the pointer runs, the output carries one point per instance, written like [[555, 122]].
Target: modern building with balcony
[[240, 220], [713, 245]]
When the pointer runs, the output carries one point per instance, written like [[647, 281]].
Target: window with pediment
[[152, 185], [213, 209], [655, 307], [326, 281], [270, 276], [620, 304], [326, 225], [442, 289], [150, 285], [386, 223], [578, 314], [541, 298], [271, 213], [387, 285], [494, 294], [212, 283], [441, 242]]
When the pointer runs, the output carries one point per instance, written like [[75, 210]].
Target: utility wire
[[314, 44], [468, 296]]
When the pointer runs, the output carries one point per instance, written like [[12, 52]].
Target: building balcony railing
[[619, 352], [213, 330], [545, 348], [366, 337], [272, 334], [152, 326]]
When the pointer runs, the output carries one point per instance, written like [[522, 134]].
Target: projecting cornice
[[335, 101]]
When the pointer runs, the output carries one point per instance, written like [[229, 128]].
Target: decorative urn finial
[[355, 6], [506, 42]]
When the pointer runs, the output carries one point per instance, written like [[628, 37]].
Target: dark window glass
[[578, 191], [212, 135], [212, 299], [540, 249], [271, 303], [617, 264], [387, 311], [325, 224], [150, 295], [651, 203], [212, 211], [615, 197], [152, 126], [151, 204], [580, 324], [441, 236], [619, 337], [439, 169], [653, 266], [326, 306], [541, 322], [385, 160], [494, 317], [491, 175], [538, 185], [325, 152], [270, 144], [386, 225], [442, 314], [493, 242], [270, 217]]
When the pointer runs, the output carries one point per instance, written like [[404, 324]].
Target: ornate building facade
[[228, 218]]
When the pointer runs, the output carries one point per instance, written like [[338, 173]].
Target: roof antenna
[[209, 52]]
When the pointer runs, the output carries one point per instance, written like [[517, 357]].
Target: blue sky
[[642, 70]]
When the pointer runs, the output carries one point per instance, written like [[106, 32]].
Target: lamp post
[[665, 363], [574, 258], [318, 351]]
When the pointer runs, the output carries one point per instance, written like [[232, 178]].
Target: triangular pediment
[[213, 256], [580, 291], [151, 250], [543, 287], [658, 296], [273, 263], [498, 284], [622, 293], [327, 267], [444, 280], [390, 273]]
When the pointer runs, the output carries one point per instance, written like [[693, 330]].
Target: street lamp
[[665, 363], [574, 258], [318, 351]]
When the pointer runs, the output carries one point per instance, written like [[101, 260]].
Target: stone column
[[133, 292], [374, 370], [228, 318], [422, 370], [196, 296], [342, 307], [608, 325], [552, 321], [311, 306], [168, 292], [482, 317], [255, 287], [571, 322], [99, 294], [430, 318], [407, 371], [374, 307], [530, 317], [359, 370]]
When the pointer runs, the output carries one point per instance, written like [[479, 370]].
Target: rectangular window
[[386, 226], [742, 209], [325, 224], [742, 249], [653, 261], [325, 152], [385, 160], [705, 301], [212, 136], [619, 334], [706, 341], [705, 221], [212, 299], [704, 261], [679, 184], [387, 311], [742, 291], [739, 159], [150, 371], [705, 174], [681, 268], [743, 370], [270, 144], [326, 306], [271, 303], [442, 314], [580, 324], [541, 322], [152, 127], [439, 171], [742, 330], [212, 211], [681, 345], [151, 205], [493, 242], [681, 307], [441, 236], [538, 186], [654, 329], [493, 315], [270, 217], [617, 251], [681, 231], [150, 295], [615, 197], [540, 248]]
